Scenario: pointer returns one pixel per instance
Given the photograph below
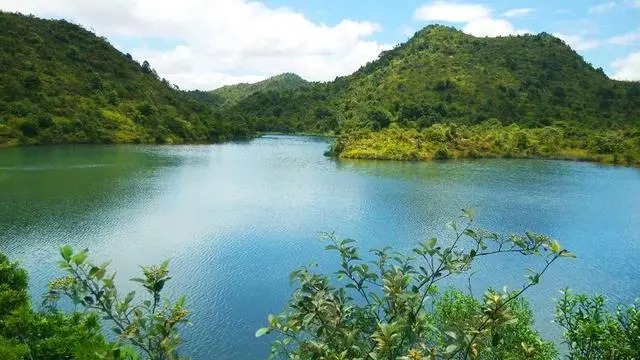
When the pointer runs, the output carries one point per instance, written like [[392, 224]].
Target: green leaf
[[451, 349], [66, 252], [308, 318], [93, 271], [80, 257], [100, 273], [129, 297], [262, 331], [555, 247]]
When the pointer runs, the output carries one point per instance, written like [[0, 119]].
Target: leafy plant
[[152, 325], [381, 312], [593, 333]]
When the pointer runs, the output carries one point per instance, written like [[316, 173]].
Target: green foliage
[[491, 139], [443, 76], [25, 334], [382, 310], [593, 333], [152, 325], [232, 94], [58, 80]]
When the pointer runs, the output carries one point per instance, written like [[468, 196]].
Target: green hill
[[490, 87], [444, 75], [235, 93], [59, 83]]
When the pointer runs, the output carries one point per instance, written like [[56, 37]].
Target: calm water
[[235, 219]]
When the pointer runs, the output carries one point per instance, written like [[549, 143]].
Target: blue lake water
[[236, 219]]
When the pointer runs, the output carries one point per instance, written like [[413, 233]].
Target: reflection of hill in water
[[538, 172], [52, 185]]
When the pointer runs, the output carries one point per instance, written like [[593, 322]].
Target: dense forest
[[59, 83]]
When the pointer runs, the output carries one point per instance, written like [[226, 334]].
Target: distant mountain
[[283, 82], [442, 75], [60, 83]]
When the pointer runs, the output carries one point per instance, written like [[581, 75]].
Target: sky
[[205, 44]]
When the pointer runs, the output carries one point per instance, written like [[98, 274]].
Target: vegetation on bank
[[390, 307], [60, 83], [490, 139]]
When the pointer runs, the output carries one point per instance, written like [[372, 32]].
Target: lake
[[235, 219]]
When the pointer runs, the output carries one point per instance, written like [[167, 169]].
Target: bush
[[382, 311]]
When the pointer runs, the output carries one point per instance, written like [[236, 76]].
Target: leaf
[[129, 297], [555, 247], [451, 349], [80, 257], [262, 331], [451, 334], [308, 318], [66, 252], [469, 213], [100, 273]]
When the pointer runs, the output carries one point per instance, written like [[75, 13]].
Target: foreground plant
[[594, 333], [389, 308], [151, 325]]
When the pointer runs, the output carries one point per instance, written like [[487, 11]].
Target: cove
[[235, 219]]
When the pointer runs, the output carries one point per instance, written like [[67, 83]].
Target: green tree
[[382, 312], [151, 325]]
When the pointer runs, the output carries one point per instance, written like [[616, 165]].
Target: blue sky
[[592, 20], [208, 43]]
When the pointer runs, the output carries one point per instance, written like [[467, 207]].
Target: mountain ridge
[[444, 75], [281, 82]]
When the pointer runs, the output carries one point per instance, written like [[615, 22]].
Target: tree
[[593, 333], [151, 325], [382, 310]]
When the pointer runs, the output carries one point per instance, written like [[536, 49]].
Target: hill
[[283, 82], [491, 87], [60, 83], [444, 75]]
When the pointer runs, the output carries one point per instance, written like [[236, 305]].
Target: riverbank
[[441, 142]]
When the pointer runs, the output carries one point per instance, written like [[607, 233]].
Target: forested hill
[[232, 94], [59, 83], [442, 75]]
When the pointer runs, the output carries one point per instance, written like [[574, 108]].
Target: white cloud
[[625, 39], [602, 8], [577, 42], [451, 12], [627, 68], [477, 19], [517, 12], [220, 39], [633, 3]]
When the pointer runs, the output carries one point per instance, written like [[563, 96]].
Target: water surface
[[236, 219]]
